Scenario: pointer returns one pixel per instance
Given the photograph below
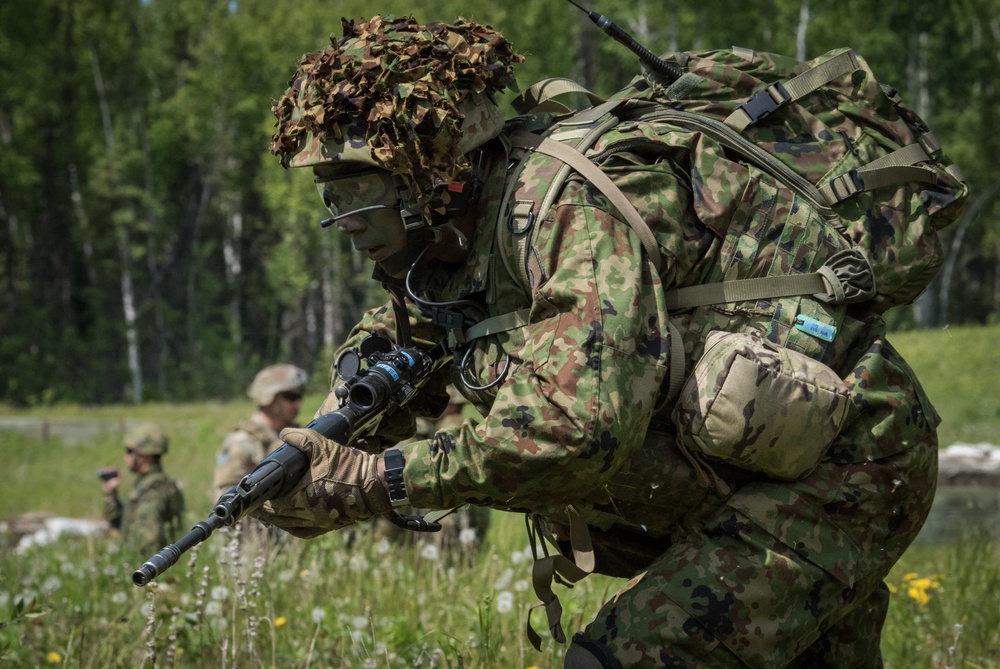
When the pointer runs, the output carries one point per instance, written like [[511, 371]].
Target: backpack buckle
[[764, 102]]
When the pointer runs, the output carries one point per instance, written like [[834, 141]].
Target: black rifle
[[393, 376]]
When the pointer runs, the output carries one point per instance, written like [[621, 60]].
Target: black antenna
[[645, 55]]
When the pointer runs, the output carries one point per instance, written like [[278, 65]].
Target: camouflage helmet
[[409, 98], [146, 439], [273, 380]]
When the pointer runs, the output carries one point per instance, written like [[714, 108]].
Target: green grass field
[[330, 603]]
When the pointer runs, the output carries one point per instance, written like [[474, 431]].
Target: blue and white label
[[816, 328]]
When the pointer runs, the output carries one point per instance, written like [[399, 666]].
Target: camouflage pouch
[[759, 406]]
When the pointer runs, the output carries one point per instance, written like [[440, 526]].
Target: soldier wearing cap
[[152, 514], [277, 393]]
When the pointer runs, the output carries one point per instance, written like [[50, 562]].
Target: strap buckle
[[764, 102]]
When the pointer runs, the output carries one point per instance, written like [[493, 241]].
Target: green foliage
[[938, 616], [147, 124], [954, 366]]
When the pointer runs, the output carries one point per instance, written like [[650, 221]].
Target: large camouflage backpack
[[859, 182], [825, 195]]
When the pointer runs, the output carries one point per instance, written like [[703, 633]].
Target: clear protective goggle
[[354, 192]]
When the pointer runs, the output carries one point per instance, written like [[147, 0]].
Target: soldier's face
[[365, 206], [285, 407]]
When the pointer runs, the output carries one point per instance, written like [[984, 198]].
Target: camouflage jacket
[[242, 449], [151, 516], [577, 419]]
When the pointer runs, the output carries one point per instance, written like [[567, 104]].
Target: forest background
[[151, 248]]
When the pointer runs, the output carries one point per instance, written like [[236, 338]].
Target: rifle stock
[[391, 380]]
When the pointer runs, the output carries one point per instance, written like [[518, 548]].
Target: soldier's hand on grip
[[342, 487]]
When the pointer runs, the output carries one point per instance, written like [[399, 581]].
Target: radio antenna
[[645, 55]]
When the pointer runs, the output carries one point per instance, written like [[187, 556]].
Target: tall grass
[[342, 602]]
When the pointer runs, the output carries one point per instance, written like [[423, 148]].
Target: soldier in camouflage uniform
[[152, 516], [728, 567], [276, 391]]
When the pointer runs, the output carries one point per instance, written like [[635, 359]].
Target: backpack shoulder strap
[[594, 174]]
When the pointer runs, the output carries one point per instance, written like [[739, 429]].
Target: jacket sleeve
[[585, 382]]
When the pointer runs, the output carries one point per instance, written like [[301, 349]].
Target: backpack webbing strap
[[893, 168], [845, 278], [561, 570], [762, 103], [742, 290], [594, 174], [489, 326], [538, 97]]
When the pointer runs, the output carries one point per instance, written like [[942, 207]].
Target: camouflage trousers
[[783, 575]]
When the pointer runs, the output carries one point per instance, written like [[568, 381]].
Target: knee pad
[[586, 654]]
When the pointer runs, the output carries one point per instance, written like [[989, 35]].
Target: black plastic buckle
[[762, 103]]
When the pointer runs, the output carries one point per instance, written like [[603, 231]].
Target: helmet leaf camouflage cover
[[412, 99]]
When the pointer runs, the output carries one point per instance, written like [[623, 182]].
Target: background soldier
[[277, 392], [152, 516], [730, 566]]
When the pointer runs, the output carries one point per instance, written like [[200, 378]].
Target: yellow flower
[[892, 588], [917, 588], [279, 621], [55, 657]]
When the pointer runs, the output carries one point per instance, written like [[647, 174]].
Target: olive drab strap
[[593, 174], [777, 95], [893, 168], [559, 569], [845, 278]]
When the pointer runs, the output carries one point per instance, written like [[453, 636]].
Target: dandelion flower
[[280, 621], [213, 608], [220, 592], [467, 536], [429, 552], [383, 546], [318, 615], [54, 657], [359, 622]]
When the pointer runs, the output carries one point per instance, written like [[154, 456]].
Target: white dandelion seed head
[[467, 536], [505, 602], [51, 584], [504, 579], [430, 552]]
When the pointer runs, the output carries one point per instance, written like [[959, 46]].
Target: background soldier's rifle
[[393, 376]]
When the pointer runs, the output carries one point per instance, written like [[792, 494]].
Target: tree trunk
[[329, 296], [801, 30], [124, 248], [930, 309], [969, 216], [585, 64], [234, 271]]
